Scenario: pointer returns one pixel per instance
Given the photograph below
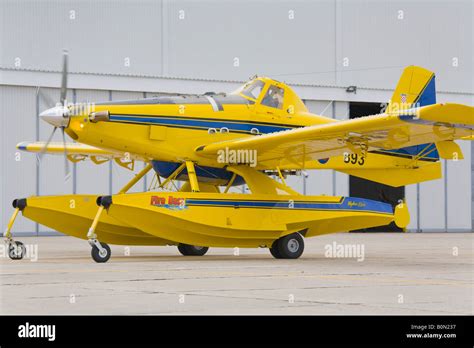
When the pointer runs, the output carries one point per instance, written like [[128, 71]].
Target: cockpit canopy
[[253, 89], [271, 94]]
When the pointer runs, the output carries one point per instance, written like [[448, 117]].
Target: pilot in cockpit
[[274, 97]]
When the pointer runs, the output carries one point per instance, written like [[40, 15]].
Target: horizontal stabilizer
[[398, 177]]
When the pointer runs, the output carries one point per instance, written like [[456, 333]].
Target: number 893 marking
[[354, 158]]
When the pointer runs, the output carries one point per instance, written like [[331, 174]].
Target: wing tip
[[22, 146]]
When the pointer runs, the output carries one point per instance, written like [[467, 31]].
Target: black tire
[[16, 250], [192, 250], [98, 257], [274, 250], [290, 246]]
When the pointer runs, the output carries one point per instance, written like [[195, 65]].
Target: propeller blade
[[66, 161], [64, 78], [47, 100], [45, 147]]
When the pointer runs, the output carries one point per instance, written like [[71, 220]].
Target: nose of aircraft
[[57, 116]]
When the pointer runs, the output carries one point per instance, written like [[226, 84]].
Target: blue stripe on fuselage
[[236, 126]]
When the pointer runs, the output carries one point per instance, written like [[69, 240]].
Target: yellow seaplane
[[201, 147]]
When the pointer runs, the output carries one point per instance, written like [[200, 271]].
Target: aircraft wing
[[58, 149], [77, 152], [427, 124]]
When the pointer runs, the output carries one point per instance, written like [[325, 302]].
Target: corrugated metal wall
[[17, 170], [351, 42], [119, 37]]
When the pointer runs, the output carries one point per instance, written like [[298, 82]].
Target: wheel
[[16, 250], [274, 250], [290, 246], [192, 250], [103, 256]]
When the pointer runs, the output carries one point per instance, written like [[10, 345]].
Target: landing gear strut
[[288, 247], [192, 250], [101, 251], [16, 249]]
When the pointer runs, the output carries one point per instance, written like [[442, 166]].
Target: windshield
[[254, 89]]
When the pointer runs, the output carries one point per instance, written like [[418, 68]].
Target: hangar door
[[363, 188]]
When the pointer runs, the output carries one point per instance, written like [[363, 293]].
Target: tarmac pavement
[[347, 273]]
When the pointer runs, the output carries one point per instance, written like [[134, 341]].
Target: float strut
[[280, 174], [174, 175], [136, 178], [192, 176], [231, 181]]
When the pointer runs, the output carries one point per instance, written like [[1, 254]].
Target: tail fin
[[415, 88], [412, 164]]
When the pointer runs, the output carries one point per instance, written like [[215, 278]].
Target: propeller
[[47, 100], [57, 116], [64, 79], [66, 162], [45, 147]]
